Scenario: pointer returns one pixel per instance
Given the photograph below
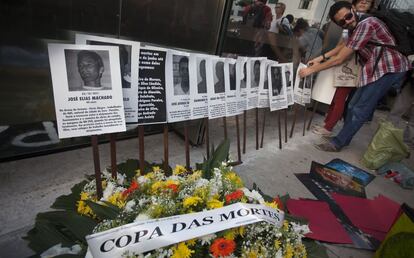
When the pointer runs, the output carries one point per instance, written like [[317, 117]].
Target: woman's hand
[[305, 71]]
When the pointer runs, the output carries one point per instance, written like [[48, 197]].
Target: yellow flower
[[172, 182], [214, 204], [150, 176], [289, 251], [155, 211], [181, 251], [234, 178], [271, 205], [192, 201], [117, 199], [178, 170], [277, 244], [195, 175], [285, 225], [230, 234], [83, 208], [202, 192], [191, 242], [157, 186], [137, 172], [156, 169], [241, 231]]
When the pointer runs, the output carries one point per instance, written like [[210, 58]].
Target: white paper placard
[[298, 89], [241, 83], [128, 52], [144, 236], [216, 90], [177, 86], [289, 82], [254, 79], [264, 101], [323, 90], [231, 87], [307, 90], [87, 89], [198, 85], [277, 87], [152, 107]]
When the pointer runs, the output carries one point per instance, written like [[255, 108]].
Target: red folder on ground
[[374, 217], [322, 222]]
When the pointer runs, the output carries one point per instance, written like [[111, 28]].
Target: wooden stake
[[238, 139], [304, 120], [96, 162], [225, 127], [244, 130], [315, 106], [112, 141], [187, 146], [263, 127], [294, 120], [207, 137], [286, 133], [279, 129], [166, 162], [257, 128], [141, 149]]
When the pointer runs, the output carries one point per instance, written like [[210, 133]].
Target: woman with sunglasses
[[337, 107], [376, 77]]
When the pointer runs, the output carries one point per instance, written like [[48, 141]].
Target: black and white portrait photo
[[308, 82], [244, 76], [302, 80], [277, 84], [219, 77], [266, 77], [181, 75], [255, 73], [287, 76], [232, 74], [124, 60], [88, 70], [201, 76]]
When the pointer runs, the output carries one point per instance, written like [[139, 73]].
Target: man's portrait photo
[[124, 60], [219, 77], [266, 78], [301, 81], [201, 76], [276, 74], [181, 75], [287, 75], [255, 74], [308, 82], [88, 70], [243, 75], [232, 74]]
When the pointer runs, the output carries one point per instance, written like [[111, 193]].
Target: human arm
[[338, 59], [328, 54]]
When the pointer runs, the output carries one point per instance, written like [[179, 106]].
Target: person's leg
[[363, 107], [338, 106]]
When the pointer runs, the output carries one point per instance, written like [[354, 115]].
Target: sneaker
[[328, 147], [319, 130], [328, 138]]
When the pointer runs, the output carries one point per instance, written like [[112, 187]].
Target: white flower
[[206, 240], [142, 180], [279, 254], [300, 229], [142, 217], [255, 195], [120, 178], [129, 205], [59, 250], [109, 190]]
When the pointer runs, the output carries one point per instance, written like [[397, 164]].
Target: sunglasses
[[346, 18]]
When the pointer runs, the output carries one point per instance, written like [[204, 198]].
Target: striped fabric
[[391, 61]]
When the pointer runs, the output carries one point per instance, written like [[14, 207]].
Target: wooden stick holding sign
[[305, 117], [225, 127], [97, 166], [238, 140], [112, 141], [244, 130], [294, 120], [279, 129], [141, 149], [207, 137], [286, 133], [187, 146], [263, 128], [257, 128], [315, 106], [166, 161]]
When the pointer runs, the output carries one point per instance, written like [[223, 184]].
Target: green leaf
[[314, 249], [80, 226], [219, 155], [113, 207], [103, 212], [68, 202], [129, 168]]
